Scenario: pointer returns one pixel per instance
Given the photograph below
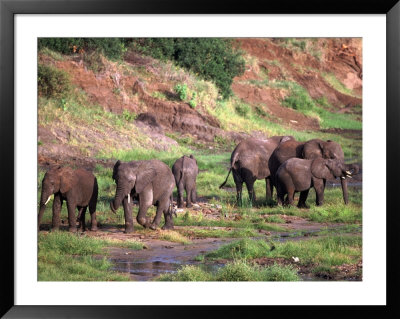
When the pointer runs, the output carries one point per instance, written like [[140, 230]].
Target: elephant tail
[[222, 185], [233, 162]]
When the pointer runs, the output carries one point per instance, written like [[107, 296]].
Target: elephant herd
[[286, 164]]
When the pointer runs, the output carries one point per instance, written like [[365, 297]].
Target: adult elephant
[[299, 175], [152, 183], [315, 148], [249, 162], [78, 187], [185, 172]]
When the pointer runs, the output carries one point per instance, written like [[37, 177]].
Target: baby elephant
[[78, 187], [185, 171], [299, 175]]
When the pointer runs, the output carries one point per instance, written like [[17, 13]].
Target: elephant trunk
[[44, 199], [345, 191], [114, 205], [41, 211]]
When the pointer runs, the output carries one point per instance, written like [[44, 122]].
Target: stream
[[164, 257]]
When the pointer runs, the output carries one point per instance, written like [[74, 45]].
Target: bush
[[242, 109], [212, 59], [112, 48], [52, 82], [181, 90]]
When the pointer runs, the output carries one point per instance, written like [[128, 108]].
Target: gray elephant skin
[[299, 175], [311, 149], [249, 162], [152, 183], [185, 172], [78, 188]]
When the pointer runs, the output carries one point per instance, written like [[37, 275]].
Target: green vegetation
[[174, 236], [212, 59], [234, 271], [181, 90], [241, 249], [69, 257], [112, 48], [337, 85], [52, 82]]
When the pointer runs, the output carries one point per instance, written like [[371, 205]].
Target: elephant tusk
[[349, 176], [47, 200], [342, 177], [348, 173], [129, 198]]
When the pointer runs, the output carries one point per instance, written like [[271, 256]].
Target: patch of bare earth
[[341, 57]]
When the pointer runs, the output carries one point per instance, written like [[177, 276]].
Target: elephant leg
[[161, 207], [188, 196], [57, 205], [290, 196], [280, 197], [302, 199], [319, 191], [250, 190], [145, 201], [93, 220], [193, 194], [82, 214], [128, 216], [180, 194], [239, 186], [71, 216], [269, 188]]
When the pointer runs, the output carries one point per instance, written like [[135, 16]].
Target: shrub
[[52, 82], [181, 90], [299, 99], [112, 48], [242, 109], [211, 58]]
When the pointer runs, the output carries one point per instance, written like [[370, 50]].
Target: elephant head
[[128, 176], [329, 150], [331, 169], [57, 179], [325, 149]]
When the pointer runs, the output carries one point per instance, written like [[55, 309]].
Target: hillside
[[302, 87]]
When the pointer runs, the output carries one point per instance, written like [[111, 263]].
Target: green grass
[[241, 249], [69, 257], [337, 85], [238, 270], [328, 251], [174, 236]]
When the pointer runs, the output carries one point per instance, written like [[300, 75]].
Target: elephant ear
[[115, 170], [144, 177], [67, 180], [313, 149], [320, 169]]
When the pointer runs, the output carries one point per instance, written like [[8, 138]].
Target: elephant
[[249, 162], [185, 172], [315, 148], [299, 175], [78, 187], [152, 183]]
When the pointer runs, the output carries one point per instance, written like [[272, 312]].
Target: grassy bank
[[70, 257]]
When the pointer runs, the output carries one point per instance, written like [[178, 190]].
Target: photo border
[[7, 126]]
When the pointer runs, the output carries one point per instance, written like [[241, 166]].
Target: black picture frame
[[8, 10]]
